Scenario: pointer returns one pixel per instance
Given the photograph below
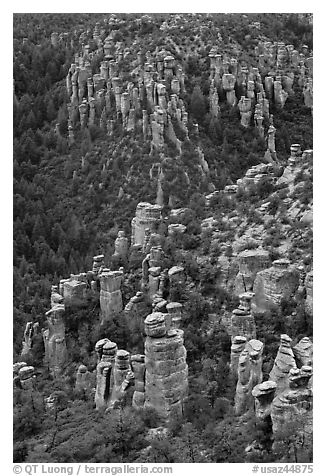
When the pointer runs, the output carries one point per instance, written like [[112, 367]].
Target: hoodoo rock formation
[[166, 378], [110, 294], [249, 375], [284, 362], [242, 320], [147, 216], [55, 340], [294, 405]]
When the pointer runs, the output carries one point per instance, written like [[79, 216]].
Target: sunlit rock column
[[82, 378], [228, 82], [147, 216], [121, 245], [283, 363], [74, 290], [249, 375], [138, 368], [123, 379], [166, 378], [237, 346], [242, 320], [245, 111], [106, 352], [54, 340], [174, 315], [110, 294], [280, 95], [30, 332]]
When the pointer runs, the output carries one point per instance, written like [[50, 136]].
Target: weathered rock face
[[56, 297], [238, 345], [280, 95], [309, 293], [31, 330], [284, 362], [147, 216], [106, 352], [123, 379], [250, 263], [103, 377], [166, 378], [274, 284], [214, 101], [263, 394], [154, 278], [26, 377], [157, 126], [245, 110], [294, 405], [177, 275], [83, 378], [242, 320], [249, 375], [228, 83], [308, 93], [174, 318], [303, 352], [54, 340], [74, 291], [176, 228], [138, 368], [98, 264], [270, 154], [121, 245], [110, 294]]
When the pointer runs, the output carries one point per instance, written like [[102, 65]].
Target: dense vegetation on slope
[[61, 220]]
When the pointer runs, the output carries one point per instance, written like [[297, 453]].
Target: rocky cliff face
[[274, 284], [250, 263]]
